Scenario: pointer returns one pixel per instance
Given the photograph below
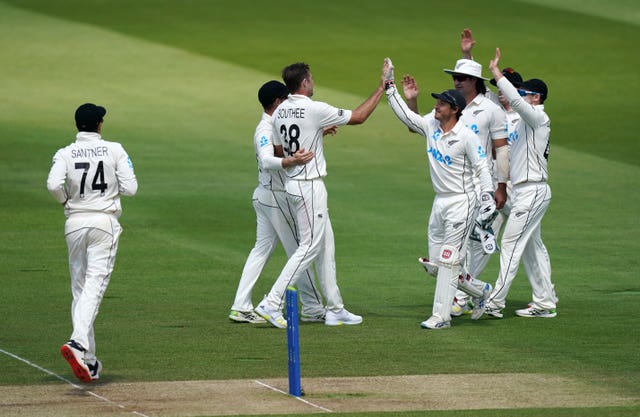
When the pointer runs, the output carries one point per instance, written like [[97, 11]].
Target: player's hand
[[466, 43], [331, 130], [410, 87], [501, 195], [494, 66], [302, 157]]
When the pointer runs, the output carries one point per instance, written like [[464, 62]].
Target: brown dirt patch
[[360, 394]]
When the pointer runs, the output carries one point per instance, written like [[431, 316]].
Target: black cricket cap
[[537, 86], [453, 97], [510, 74], [88, 117], [270, 91]]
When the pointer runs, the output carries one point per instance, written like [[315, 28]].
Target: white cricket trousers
[[522, 241], [450, 223], [316, 243], [92, 242], [274, 222]]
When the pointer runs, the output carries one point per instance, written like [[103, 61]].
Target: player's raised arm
[[411, 92], [494, 66], [466, 43], [411, 119]]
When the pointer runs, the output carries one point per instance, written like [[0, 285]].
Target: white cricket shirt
[[455, 157], [90, 174], [487, 120], [298, 123], [529, 149]]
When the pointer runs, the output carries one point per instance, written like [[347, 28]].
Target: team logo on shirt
[[437, 155], [263, 141], [340, 112], [477, 112]]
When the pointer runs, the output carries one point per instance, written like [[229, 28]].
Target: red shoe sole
[[80, 371]]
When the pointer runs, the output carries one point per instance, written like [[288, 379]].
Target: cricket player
[[87, 178], [273, 215], [298, 124], [488, 121], [531, 195], [456, 157], [478, 260]]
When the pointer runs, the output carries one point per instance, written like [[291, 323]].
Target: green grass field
[[179, 80]]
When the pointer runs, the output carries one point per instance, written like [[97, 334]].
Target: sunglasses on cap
[[526, 92]]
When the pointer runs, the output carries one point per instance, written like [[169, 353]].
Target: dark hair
[[481, 87], [294, 74]]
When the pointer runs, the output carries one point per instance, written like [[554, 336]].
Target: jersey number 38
[[290, 137]]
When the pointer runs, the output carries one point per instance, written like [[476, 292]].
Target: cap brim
[[443, 98]]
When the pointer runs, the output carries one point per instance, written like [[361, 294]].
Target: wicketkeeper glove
[[485, 236], [487, 211], [388, 75]]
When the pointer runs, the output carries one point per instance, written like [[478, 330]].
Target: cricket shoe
[[430, 267], [95, 369], [537, 312], [245, 317], [460, 307], [341, 317], [74, 354], [493, 311], [272, 316], [480, 304], [435, 323]]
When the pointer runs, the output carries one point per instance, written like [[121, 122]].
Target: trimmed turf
[[180, 88]]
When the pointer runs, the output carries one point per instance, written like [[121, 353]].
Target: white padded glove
[[388, 70], [487, 211]]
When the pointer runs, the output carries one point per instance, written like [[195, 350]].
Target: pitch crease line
[[297, 398], [61, 378]]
